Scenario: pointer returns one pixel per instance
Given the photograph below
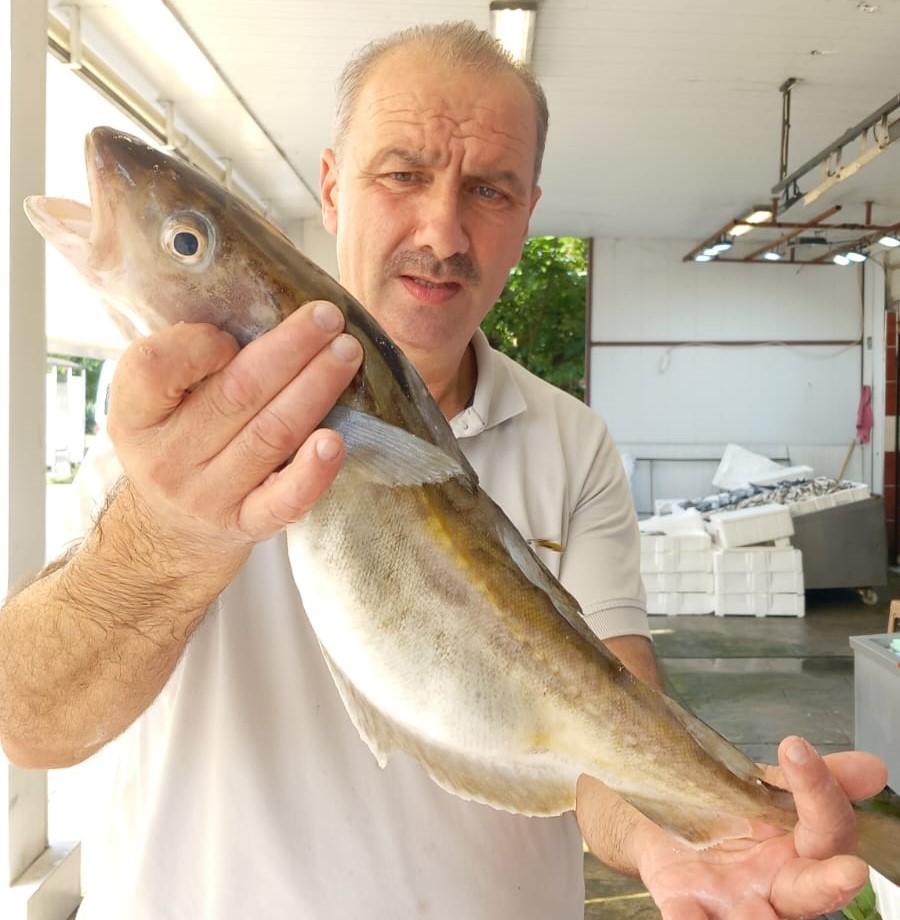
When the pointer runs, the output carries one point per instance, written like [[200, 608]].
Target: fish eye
[[186, 243], [188, 237]]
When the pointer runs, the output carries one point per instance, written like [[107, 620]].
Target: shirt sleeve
[[601, 562]]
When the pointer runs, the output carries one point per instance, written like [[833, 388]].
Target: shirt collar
[[497, 396]]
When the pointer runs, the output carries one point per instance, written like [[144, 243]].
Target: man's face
[[431, 200]]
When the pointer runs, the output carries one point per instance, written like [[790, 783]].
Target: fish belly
[[424, 660]]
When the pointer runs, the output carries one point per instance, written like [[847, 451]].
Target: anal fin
[[531, 785]]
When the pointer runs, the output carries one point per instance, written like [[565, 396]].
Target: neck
[[450, 381]]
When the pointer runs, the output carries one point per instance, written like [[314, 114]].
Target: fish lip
[[105, 246]]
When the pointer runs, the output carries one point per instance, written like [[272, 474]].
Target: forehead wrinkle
[[406, 108]]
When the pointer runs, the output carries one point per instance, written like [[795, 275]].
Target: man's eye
[[488, 193], [401, 176]]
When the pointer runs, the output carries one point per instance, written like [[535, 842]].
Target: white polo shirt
[[244, 791]]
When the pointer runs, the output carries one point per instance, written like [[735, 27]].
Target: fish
[[446, 636]]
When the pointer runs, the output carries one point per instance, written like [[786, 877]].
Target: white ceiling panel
[[665, 114]]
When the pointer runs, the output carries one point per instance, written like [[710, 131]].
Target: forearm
[[87, 646], [610, 826], [636, 653]]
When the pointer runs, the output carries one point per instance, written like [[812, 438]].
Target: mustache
[[459, 267]]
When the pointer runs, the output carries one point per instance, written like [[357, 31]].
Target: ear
[[328, 187], [535, 198]]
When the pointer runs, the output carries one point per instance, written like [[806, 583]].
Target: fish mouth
[[83, 234], [55, 217]]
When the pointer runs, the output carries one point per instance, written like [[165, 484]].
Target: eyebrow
[[418, 160], [408, 157]]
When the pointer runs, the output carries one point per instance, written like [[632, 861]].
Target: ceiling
[[665, 114]]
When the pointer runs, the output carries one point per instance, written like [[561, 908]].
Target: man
[[238, 787]]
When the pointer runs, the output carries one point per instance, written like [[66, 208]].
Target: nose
[[439, 222]]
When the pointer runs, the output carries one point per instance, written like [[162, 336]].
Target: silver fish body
[[446, 636]]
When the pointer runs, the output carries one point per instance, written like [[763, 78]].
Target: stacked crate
[[756, 572], [677, 569], [760, 581]]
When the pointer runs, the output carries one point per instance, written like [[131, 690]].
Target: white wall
[[674, 403], [316, 243]]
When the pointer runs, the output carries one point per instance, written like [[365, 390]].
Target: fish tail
[[878, 822]]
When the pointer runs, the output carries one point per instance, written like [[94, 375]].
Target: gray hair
[[455, 43]]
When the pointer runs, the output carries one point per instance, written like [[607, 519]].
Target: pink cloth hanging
[[864, 415]]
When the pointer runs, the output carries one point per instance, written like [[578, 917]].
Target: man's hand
[[222, 445], [802, 874]]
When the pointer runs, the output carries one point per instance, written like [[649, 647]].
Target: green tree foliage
[[92, 368], [539, 319]]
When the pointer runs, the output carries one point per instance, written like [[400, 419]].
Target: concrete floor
[[755, 680]]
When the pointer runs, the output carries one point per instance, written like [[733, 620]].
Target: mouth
[[84, 234], [430, 292]]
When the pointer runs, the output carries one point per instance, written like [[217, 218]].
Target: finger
[[278, 430], [290, 493], [858, 773], [155, 372], [827, 824], [226, 402], [807, 888]]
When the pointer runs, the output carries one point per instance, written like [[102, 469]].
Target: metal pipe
[[860, 243], [785, 89], [815, 221], [854, 132], [155, 121]]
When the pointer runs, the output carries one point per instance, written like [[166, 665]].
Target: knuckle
[[274, 434], [234, 393]]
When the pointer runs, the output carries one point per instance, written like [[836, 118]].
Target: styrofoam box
[[859, 492], [679, 603], [758, 559], [690, 561], [696, 582], [675, 542], [759, 582], [760, 605], [683, 552], [748, 526]]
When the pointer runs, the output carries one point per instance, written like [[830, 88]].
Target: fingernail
[[345, 348], [797, 752], [327, 316], [327, 449]]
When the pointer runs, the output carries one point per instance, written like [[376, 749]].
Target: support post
[[36, 882]]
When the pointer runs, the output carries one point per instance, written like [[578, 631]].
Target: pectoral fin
[[391, 456]]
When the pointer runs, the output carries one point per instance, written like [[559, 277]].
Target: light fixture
[[513, 25], [840, 259], [703, 257], [759, 214], [723, 245], [773, 255], [889, 241], [857, 255]]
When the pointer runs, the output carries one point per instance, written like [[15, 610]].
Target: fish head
[[164, 243]]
